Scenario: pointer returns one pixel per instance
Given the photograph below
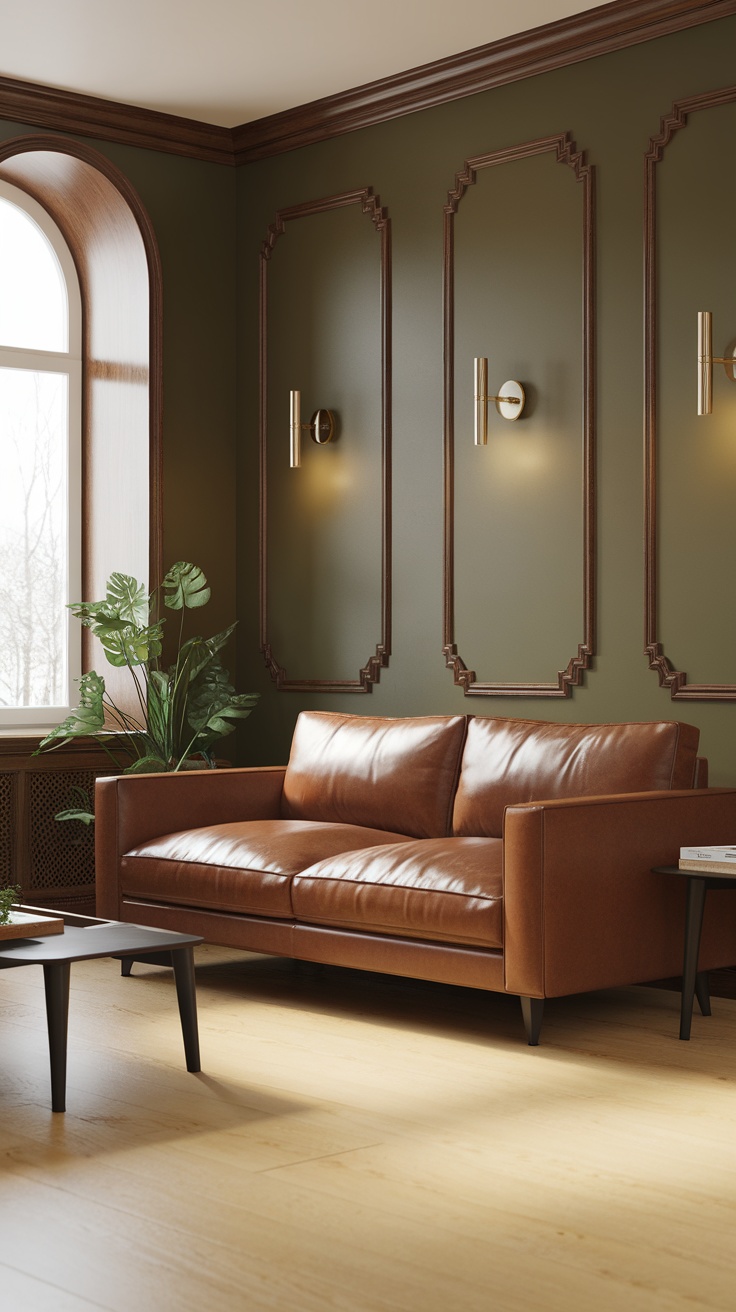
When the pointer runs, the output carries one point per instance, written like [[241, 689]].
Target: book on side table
[[719, 860]]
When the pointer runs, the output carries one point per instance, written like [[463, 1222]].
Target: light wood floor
[[363, 1144]]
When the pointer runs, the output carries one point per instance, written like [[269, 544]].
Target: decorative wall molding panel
[[701, 259], [369, 205], [563, 151]]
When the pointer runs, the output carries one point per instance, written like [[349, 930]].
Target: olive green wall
[[612, 107]]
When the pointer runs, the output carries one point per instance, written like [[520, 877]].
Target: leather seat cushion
[[446, 889], [246, 866]]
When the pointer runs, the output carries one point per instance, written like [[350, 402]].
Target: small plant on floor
[[183, 709], [8, 898]]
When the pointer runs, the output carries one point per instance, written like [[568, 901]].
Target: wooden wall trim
[[669, 677], [542, 49], [371, 671], [600, 31], [90, 116], [566, 152]]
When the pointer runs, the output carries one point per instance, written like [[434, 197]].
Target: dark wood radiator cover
[[52, 861]]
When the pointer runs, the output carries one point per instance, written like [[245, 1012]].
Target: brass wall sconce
[[706, 360], [509, 402], [321, 428]]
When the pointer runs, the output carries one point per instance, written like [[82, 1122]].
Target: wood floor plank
[[21, 1292], [362, 1144]]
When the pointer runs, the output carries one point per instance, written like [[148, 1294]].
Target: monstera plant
[[183, 709]]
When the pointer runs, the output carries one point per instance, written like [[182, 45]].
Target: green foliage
[[184, 709], [185, 585], [8, 897], [81, 808]]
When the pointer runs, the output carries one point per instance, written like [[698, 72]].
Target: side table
[[698, 883]]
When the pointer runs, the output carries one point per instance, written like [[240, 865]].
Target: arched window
[[40, 464], [86, 206]]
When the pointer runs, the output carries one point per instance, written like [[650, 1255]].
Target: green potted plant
[[8, 898], [183, 709]]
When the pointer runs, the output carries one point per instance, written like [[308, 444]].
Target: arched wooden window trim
[[116, 254]]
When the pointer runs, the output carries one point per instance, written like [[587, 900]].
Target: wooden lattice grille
[[7, 815], [61, 853]]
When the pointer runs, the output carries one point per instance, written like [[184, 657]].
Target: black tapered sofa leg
[[532, 1009]]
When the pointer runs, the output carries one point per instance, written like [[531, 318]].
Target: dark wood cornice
[[568, 41], [540, 50], [66, 111]]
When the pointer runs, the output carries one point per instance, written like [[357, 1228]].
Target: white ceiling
[[231, 61]]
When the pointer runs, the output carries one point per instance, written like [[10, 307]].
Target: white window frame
[[70, 363]]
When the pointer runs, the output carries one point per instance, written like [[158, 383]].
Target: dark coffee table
[[83, 939]]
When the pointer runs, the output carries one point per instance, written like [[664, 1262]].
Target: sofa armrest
[[582, 908], [132, 808]]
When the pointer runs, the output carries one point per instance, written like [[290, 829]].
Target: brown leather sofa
[[509, 855]]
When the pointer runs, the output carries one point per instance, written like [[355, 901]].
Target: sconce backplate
[[510, 408], [322, 426]]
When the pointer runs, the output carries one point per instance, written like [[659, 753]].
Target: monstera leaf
[[80, 808], [198, 652], [92, 613], [126, 602], [128, 599], [185, 586], [159, 712], [87, 720], [125, 645], [214, 703], [121, 622]]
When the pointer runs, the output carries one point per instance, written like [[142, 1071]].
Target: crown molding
[[569, 40], [600, 31], [66, 111]]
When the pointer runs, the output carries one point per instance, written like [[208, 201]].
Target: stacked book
[[709, 860]]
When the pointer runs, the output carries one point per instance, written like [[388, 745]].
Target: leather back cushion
[[506, 762], [389, 774]]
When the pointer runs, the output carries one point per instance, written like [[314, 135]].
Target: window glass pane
[[33, 539], [33, 305]]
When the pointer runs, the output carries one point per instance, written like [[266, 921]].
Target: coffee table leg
[[693, 927], [702, 992], [183, 962], [56, 981]]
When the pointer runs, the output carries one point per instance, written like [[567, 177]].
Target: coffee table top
[[85, 937]]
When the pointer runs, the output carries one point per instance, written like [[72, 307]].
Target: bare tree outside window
[[33, 408], [40, 344]]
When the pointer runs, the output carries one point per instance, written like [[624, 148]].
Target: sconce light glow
[[321, 428], [509, 401], [706, 360]]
